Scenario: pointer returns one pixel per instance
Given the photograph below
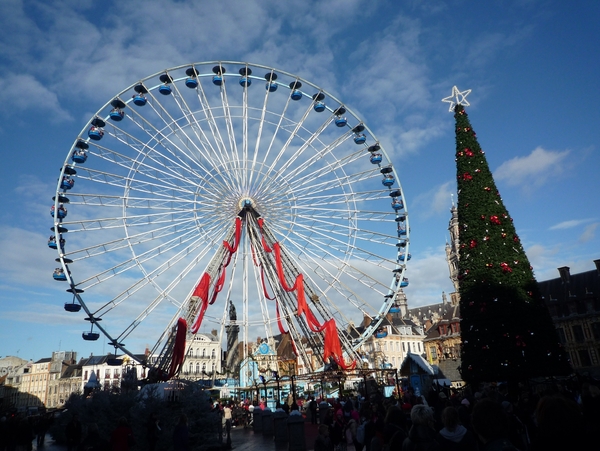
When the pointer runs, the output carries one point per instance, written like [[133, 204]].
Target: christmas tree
[[507, 332]]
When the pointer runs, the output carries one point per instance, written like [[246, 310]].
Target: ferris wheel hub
[[246, 203]]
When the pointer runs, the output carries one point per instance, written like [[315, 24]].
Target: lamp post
[[397, 383], [276, 376], [293, 390], [264, 382]]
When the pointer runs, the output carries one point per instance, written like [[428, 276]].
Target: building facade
[[574, 304]]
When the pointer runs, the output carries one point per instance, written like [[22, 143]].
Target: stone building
[[574, 304]]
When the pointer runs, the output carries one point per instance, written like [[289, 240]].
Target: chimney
[[565, 274], [597, 263]]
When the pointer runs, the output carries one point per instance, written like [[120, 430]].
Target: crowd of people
[[491, 419]]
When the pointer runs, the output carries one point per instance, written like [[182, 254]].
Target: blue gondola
[[192, 80], [394, 309], [404, 257], [381, 333], [245, 80], [62, 211], [72, 307], [117, 114], [67, 183], [360, 138], [388, 180], [404, 282], [401, 232], [52, 242], [59, 274], [341, 121], [375, 158], [397, 204], [218, 78], [95, 133], [191, 83], [79, 156], [90, 336], [271, 86], [319, 105], [296, 93], [139, 99], [166, 79]]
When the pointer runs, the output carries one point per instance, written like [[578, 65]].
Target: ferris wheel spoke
[[284, 148], [295, 166], [142, 147], [320, 171], [347, 180], [261, 124], [335, 201]]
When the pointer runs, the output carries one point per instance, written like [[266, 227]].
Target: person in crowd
[[455, 436], [93, 441], [559, 425], [491, 426], [337, 431], [122, 438], [181, 435], [312, 408], [153, 430], [73, 433], [395, 430], [323, 442], [422, 435]]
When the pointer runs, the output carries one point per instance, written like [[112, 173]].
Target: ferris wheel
[[222, 195]]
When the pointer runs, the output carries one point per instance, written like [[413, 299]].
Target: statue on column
[[232, 313]]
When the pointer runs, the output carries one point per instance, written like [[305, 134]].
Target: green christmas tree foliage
[[507, 333]]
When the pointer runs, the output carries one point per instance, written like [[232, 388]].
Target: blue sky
[[532, 66]]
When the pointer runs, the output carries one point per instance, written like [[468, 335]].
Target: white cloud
[[32, 96], [569, 224], [532, 170], [435, 201], [589, 233]]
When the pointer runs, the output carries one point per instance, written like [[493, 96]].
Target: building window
[[584, 358], [403, 347], [433, 352], [596, 330], [213, 354], [561, 335], [203, 352], [578, 333]]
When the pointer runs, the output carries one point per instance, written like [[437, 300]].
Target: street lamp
[[264, 382], [276, 376]]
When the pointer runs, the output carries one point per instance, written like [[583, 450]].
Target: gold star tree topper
[[457, 98]]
